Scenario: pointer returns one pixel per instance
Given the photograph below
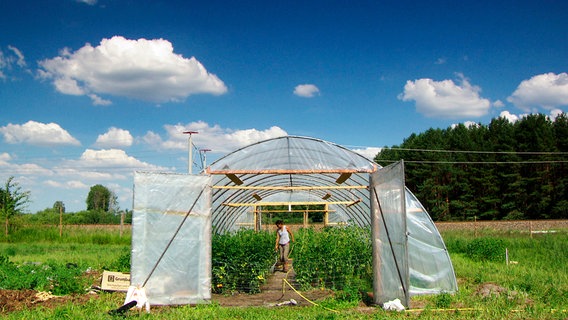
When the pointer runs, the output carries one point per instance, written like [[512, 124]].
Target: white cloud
[[218, 139], [498, 104], [102, 165], [555, 113], [306, 90], [89, 2], [441, 61], [11, 60], [37, 133], [114, 138], [72, 184], [140, 69], [21, 61], [98, 101], [445, 99], [467, 124], [4, 158], [111, 158], [24, 169], [509, 116], [546, 91], [369, 152], [516, 117]]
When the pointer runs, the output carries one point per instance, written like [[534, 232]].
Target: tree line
[[500, 171], [102, 208]]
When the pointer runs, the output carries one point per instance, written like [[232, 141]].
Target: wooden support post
[[121, 222], [255, 219], [60, 221], [305, 219]]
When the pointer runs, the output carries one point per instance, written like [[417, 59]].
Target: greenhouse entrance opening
[[174, 216]]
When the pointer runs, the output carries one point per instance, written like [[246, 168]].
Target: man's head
[[279, 223]]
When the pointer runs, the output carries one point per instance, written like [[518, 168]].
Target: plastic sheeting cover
[[431, 269], [175, 271], [390, 253]]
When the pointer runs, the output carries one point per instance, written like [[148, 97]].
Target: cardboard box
[[115, 281]]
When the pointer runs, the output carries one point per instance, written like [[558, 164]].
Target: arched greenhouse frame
[[174, 216]]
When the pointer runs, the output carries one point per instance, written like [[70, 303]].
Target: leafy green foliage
[[500, 171], [241, 260], [338, 258], [121, 264], [100, 198], [56, 278], [12, 201], [480, 249], [486, 249]]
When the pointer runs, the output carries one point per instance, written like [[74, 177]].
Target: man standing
[[283, 238]]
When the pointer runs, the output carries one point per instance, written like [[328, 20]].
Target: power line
[[480, 152], [479, 162]]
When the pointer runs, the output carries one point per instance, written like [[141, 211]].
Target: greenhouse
[[174, 216]]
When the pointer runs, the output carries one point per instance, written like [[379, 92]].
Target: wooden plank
[[289, 187], [282, 203], [288, 171]]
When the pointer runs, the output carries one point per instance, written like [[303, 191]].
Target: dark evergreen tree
[[501, 171]]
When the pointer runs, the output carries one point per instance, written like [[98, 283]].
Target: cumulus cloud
[[72, 184], [509, 116], [114, 138], [306, 90], [102, 165], [369, 152], [516, 117], [446, 99], [37, 133], [141, 69], [23, 169], [112, 158], [546, 91], [219, 140], [467, 124]]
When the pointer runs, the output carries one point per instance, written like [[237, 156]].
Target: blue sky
[[92, 90]]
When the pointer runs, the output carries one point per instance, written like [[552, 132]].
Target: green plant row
[[241, 261], [337, 258]]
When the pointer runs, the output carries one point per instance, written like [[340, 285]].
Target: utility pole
[[190, 155], [204, 157]]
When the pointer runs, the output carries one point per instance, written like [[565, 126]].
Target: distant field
[[526, 285]]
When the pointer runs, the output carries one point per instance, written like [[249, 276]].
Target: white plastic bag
[[394, 305], [139, 295]]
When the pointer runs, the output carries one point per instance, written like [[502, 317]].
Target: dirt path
[[277, 291]]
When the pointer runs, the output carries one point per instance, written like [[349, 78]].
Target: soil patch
[[16, 300]]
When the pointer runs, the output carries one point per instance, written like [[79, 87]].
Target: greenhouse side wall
[[171, 238]]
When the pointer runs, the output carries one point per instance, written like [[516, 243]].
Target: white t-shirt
[[284, 235]]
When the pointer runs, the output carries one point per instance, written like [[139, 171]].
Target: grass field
[[531, 284]]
